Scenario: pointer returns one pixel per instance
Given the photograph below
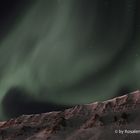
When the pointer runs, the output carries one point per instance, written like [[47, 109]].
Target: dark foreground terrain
[[117, 119]]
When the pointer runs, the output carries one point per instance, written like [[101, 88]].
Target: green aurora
[[72, 51]]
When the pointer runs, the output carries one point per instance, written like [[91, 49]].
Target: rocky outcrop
[[117, 119]]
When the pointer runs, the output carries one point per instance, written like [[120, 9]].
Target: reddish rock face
[[116, 119]]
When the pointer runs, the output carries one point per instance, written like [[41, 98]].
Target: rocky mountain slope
[[117, 119]]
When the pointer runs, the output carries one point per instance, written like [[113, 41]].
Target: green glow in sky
[[72, 53]]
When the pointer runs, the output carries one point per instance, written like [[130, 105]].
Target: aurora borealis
[[70, 51]]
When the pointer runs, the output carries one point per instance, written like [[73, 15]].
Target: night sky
[[58, 53]]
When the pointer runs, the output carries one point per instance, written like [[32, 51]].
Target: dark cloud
[[17, 102]]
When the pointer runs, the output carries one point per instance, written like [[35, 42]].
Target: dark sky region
[[58, 53]]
